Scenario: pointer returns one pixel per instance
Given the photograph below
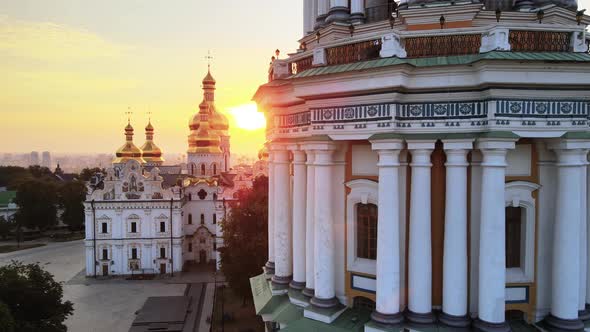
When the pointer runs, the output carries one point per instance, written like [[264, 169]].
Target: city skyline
[[71, 70]]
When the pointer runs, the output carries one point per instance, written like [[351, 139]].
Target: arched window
[[203, 171], [214, 218], [192, 169], [366, 228], [214, 169], [190, 196], [190, 218], [202, 219]]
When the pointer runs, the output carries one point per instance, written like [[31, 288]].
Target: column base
[[296, 285], [555, 324], [483, 326], [338, 14], [324, 303], [584, 315], [387, 319], [454, 321], [309, 292], [280, 283], [420, 318], [320, 22], [357, 18], [269, 267]]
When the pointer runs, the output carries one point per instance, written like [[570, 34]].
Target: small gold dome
[[263, 153], [151, 153], [209, 78], [204, 140], [128, 151]]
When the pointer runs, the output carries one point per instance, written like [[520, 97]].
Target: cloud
[[51, 42]]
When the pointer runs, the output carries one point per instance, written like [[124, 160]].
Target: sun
[[247, 117]]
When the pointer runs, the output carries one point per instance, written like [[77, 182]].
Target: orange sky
[[70, 69]]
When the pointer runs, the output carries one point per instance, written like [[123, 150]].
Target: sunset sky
[[69, 69]]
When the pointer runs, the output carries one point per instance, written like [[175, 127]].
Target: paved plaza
[[104, 305]]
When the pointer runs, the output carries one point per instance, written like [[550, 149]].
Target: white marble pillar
[[357, 11], [324, 264], [492, 237], [299, 217], [282, 214], [388, 247], [455, 237], [323, 9], [270, 264], [583, 314], [339, 11], [566, 238], [309, 225], [420, 247]]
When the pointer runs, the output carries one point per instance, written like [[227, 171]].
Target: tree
[[5, 227], [6, 319], [40, 171], [245, 237], [71, 196], [34, 298], [12, 176], [88, 173], [36, 200]]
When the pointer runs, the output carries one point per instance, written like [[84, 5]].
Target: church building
[[144, 217], [428, 168]]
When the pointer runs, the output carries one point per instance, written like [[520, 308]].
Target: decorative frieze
[[374, 112], [542, 108]]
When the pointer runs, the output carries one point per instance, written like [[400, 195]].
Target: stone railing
[[452, 42]]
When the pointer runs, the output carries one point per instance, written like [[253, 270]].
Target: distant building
[[34, 159], [46, 159]]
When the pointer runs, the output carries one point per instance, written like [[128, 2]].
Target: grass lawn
[[11, 248], [238, 318]]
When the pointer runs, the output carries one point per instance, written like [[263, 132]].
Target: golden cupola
[[208, 125], [152, 154], [263, 153], [128, 151]]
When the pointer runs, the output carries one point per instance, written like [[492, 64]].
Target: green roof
[[349, 320], [6, 197], [446, 60]]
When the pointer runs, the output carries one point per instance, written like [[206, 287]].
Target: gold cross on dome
[[209, 57], [128, 113]]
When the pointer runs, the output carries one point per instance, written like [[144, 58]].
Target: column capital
[[419, 144], [387, 144], [496, 143], [299, 157], [458, 144], [568, 144]]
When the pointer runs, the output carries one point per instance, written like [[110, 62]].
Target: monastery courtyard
[[110, 304]]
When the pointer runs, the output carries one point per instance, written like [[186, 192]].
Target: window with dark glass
[[202, 169], [162, 252], [190, 247], [366, 231], [214, 218], [162, 226], [133, 227], [190, 219], [104, 228], [514, 219], [134, 253], [202, 219], [214, 169], [105, 254]]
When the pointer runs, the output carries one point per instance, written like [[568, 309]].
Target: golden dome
[[151, 152], [218, 121], [263, 153], [128, 151], [209, 78], [204, 140]]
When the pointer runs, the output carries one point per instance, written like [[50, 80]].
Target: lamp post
[[580, 15], [498, 14], [442, 21], [540, 15]]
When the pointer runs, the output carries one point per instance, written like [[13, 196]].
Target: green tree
[[6, 319], [71, 196], [34, 298], [87, 173], [12, 176], [40, 172], [245, 237], [36, 200], [5, 227]]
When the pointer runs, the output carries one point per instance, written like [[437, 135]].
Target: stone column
[[339, 11], [454, 309], [492, 237], [323, 8], [420, 248], [357, 11], [270, 264], [325, 291], [583, 314], [566, 238], [388, 247], [282, 214], [309, 226], [299, 217]]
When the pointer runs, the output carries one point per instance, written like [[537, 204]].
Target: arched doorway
[[202, 257]]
